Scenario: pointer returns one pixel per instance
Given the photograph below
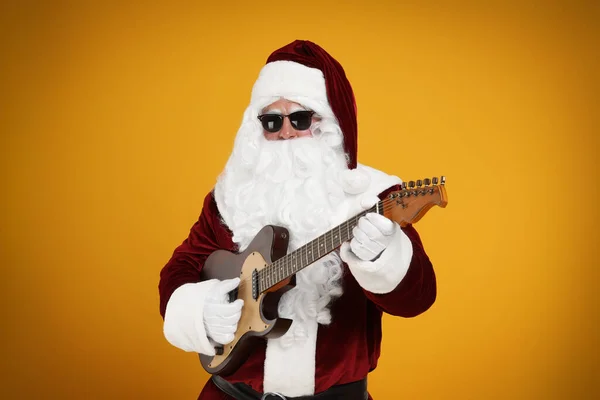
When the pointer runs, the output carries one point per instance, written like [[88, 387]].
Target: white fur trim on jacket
[[184, 318], [386, 272], [362, 185], [290, 370], [289, 79]]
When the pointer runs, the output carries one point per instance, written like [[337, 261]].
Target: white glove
[[372, 236], [220, 316]]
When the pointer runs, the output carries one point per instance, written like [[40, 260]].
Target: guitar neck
[[304, 256]]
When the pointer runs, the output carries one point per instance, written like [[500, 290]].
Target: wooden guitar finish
[[267, 271]]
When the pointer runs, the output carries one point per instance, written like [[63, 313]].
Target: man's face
[[292, 126]]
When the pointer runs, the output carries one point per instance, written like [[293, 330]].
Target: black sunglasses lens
[[271, 122], [301, 120]]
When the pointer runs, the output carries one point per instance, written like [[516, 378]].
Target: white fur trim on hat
[[289, 79]]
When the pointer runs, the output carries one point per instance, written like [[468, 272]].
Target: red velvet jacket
[[348, 348]]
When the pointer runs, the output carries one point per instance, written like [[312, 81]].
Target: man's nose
[[287, 131]]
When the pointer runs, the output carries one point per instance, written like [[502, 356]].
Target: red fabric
[[339, 91], [347, 349]]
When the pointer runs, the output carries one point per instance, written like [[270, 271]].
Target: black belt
[[240, 391]]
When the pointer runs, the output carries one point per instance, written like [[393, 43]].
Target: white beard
[[294, 184]]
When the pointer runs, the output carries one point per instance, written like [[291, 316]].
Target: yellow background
[[115, 120]]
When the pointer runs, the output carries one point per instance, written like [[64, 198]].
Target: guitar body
[[259, 318]]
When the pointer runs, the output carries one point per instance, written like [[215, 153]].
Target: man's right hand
[[220, 316]]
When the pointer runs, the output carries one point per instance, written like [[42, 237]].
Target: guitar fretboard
[[304, 256]]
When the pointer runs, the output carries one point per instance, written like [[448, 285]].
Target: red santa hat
[[303, 70]]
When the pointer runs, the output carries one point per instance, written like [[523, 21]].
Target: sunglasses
[[300, 120]]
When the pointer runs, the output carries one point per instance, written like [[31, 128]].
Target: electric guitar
[[266, 271]]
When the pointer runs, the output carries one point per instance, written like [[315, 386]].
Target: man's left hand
[[372, 235]]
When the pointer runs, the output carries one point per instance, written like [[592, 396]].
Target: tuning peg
[[403, 186], [419, 183], [427, 181], [443, 182], [435, 180], [411, 184]]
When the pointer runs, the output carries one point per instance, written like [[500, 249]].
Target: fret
[[279, 274], [305, 257], [273, 274], [348, 231], [319, 245], [281, 267]]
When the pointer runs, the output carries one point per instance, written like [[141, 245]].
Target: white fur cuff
[[386, 272], [184, 318]]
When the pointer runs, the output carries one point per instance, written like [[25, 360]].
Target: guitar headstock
[[409, 204]]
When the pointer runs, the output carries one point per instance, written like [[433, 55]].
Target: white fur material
[[289, 79], [184, 318], [306, 305], [355, 181], [372, 182], [386, 272], [290, 370]]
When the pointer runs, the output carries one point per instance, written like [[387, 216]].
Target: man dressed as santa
[[294, 164]]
